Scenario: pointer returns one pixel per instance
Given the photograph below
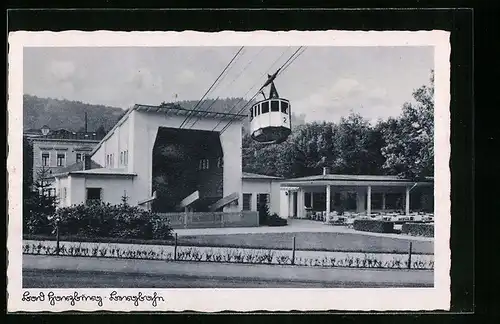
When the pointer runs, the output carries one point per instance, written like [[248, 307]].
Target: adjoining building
[[59, 150], [261, 189], [356, 194]]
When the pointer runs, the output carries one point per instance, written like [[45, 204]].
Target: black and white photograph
[[214, 171]]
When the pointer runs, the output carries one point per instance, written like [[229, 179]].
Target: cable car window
[[284, 107], [265, 107], [251, 113], [275, 105], [257, 110]]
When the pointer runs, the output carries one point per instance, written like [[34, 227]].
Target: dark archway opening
[[185, 161]]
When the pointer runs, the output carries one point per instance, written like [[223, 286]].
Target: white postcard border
[[212, 300]]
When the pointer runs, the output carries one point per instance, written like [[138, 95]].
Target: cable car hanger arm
[[270, 79]]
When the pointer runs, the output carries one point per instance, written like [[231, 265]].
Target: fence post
[[293, 251], [409, 255], [175, 248]]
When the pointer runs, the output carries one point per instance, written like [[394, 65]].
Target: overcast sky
[[324, 83]]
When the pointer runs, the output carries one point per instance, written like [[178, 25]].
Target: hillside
[[70, 115], [67, 114]]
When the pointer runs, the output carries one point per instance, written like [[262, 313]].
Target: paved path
[[294, 225], [364, 277], [83, 279]]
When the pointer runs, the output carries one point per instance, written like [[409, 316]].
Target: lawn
[[345, 242]]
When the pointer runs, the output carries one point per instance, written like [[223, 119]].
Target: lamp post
[[45, 130]]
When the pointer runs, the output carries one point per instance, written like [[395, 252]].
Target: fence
[[212, 219]]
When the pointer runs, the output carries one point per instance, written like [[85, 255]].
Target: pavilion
[[360, 194]]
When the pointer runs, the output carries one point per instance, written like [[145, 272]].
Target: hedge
[[275, 220], [418, 229], [372, 225], [112, 221]]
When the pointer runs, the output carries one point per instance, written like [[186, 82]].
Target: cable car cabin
[[270, 121]]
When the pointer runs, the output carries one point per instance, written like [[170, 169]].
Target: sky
[[323, 83]]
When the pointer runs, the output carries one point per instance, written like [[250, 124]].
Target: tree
[[46, 199], [27, 166], [351, 146], [39, 204], [356, 147], [409, 148]]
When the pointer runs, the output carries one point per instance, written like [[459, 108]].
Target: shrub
[[418, 229], [36, 223], [275, 220], [116, 221], [372, 225]]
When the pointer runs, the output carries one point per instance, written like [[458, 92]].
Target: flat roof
[[355, 180], [249, 175], [100, 171], [176, 109]]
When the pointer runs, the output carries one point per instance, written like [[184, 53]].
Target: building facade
[[59, 149], [261, 189]]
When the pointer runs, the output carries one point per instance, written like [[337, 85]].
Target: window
[[284, 107], [65, 193], [61, 159], [121, 158], [45, 159], [204, 164], [126, 157], [49, 192], [247, 201], [275, 105], [265, 107], [251, 113], [93, 195], [78, 157]]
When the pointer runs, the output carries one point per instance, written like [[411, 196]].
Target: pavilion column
[[301, 203], [383, 201], [407, 205], [369, 201], [328, 198], [360, 200]]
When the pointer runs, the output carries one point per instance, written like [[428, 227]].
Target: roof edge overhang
[[82, 174], [357, 183], [257, 178], [107, 174]]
